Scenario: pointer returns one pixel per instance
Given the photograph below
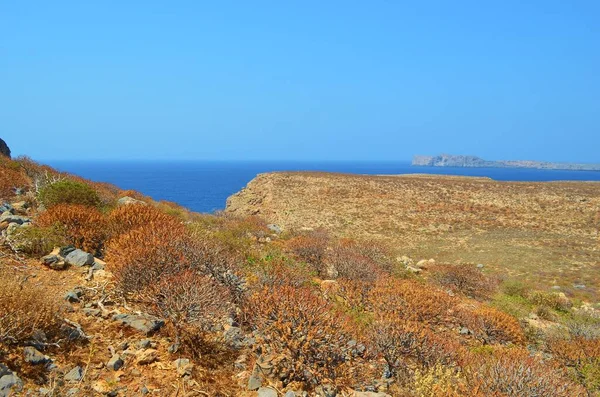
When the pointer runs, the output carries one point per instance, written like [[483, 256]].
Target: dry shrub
[[346, 260], [406, 344], [464, 279], [310, 248], [493, 326], [411, 300], [192, 303], [575, 352], [26, 310], [83, 226], [515, 373], [354, 297], [11, 177], [304, 328], [133, 216], [550, 299], [281, 271], [440, 381], [141, 256], [37, 241]]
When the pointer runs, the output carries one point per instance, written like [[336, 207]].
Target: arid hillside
[[544, 231]]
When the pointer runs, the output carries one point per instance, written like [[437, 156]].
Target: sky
[[300, 80]]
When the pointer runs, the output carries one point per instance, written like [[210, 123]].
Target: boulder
[[34, 356], [9, 382], [79, 258], [74, 375], [141, 322], [129, 200], [266, 392], [4, 149], [115, 362]]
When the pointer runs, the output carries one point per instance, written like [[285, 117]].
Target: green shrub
[[550, 299], [515, 288], [37, 241], [68, 192]]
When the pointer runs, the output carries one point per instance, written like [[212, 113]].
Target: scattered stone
[[9, 382], [79, 258], [18, 219], [144, 390], [422, 263], [369, 394], [290, 393], [144, 343], [274, 228], [72, 392], [54, 262], [579, 286], [20, 206], [72, 296], [183, 367], [235, 337], [412, 269], [254, 382], [34, 356], [98, 264], [66, 250], [129, 200], [74, 375], [147, 357], [266, 392], [326, 391], [92, 312], [480, 266], [6, 207], [465, 331], [141, 322], [115, 362]]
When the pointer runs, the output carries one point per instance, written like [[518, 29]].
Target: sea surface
[[204, 186]]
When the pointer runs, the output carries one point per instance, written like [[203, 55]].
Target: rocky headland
[[448, 160]]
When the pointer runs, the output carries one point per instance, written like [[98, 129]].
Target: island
[[449, 160]]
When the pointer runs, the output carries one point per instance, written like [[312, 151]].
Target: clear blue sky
[[310, 80]]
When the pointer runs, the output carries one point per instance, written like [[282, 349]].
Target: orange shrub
[[514, 373], [83, 226], [493, 326], [464, 279], [132, 216], [281, 271], [576, 351], [310, 248], [411, 301], [11, 177], [305, 329], [345, 260]]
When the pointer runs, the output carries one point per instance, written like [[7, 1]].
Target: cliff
[[448, 160], [4, 149]]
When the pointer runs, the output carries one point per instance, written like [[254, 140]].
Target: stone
[[422, 263], [115, 362], [18, 219], [90, 312], [235, 337], [480, 266], [20, 206], [183, 367], [267, 392], [9, 382], [98, 264], [34, 356], [72, 296], [369, 394], [79, 258], [144, 390], [556, 287], [72, 392], [465, 331], [254, 382], [147, 357], [144, 343], [4, 207], [74, 375], [579, 286], [326, 391], [4, 149], [53, 262], [66, 250], [129, 200], [274, 228], [290, 393], [412, 269], [140, 322]]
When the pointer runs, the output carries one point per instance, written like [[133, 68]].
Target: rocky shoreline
[[448, 160]]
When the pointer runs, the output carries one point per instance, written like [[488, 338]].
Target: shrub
[[439, 380], [549, 299], [37, 241], [345, 260], [514, 373], [310, 248], [411, 300], [82, 226], [132, 216], [68, 192], [10, 178], [279, 271], [192, 303], [25, 311], [304, 327], [467, 280], [493, 326], [515, 288]]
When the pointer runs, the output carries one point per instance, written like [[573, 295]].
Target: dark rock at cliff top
[[4, 149]]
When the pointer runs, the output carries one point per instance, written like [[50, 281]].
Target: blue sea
[[204, 186]]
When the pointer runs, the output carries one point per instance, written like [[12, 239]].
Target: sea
[[203, 186]]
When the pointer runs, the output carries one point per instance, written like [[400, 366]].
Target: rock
[[4, 207], [72, 392], [412, 269], [129, 200], [147, 357], [72, 296], [66, 250], [18, 219], [235, 337], [144, 390], [254, 382], [274, 228], [144, 343], [74, 375], [369, 394], [79, 258], [20, 206], [183, 367], [9, 382], [90, 312], [579, 286], [34, 356], [556, 287], [267, 392], [326, 391], [465, 331], [98, 264], [405, 260], [422, 264], [4, 149], [480, 266], [53, 262], [290, 393], [115, 362], [141, 322]]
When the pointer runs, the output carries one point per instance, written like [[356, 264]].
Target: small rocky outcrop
[[4, 149], [140, 322]]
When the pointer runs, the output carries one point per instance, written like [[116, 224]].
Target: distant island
[[448, 160]]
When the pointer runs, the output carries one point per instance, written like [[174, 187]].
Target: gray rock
[[115, 362], [33, 356], [9, 382], [579, 286], [144, 390], [274, 228], [290, 394], [140, 322], [147, 357], [326, 391], [79, 258], [74, 375], [54, 262], [144, 343], [129, 200], [72, 392], [66, 250], [254, 382], [465, 331], [72, 296], [480, 266], [235, 337], [183, 367], [369, 394], [18, 219], [90, 312], [266, 392], [6, 207]]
